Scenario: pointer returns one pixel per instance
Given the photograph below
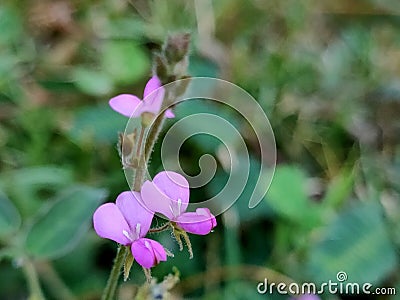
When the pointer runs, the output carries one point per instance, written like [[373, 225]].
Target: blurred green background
[[327, 74]]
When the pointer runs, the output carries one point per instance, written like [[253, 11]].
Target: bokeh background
[[327, 74]]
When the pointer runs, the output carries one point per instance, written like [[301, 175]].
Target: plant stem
[[161, 228], [53, 281], [139, 146], [109, 291], [33, 280], [152, 137]]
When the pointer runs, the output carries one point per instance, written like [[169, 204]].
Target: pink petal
[[134, 212], [308, 297], [153, 84], [156, 201], [148, 253], [153, 101], [169, 114], [173, 185], [127, 105], [168, 194], [109, 223], [200, 222]]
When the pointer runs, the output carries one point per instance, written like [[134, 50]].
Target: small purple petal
[[156, 201], [134, 212], [307, 297], [174, 186], [153, 84], [148, 253], [127, 105], [200, 222], [159, 251], [153, 102], [169, 114], [109, 223]]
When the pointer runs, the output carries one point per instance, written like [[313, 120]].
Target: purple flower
[[127, 222], [168, 194], [132, 106], [307, 297]]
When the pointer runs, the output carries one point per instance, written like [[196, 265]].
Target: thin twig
[[33, 280], [53, 281]]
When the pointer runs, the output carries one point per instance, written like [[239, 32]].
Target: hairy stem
[[152, 136], [111, 287], [32, 278], [139, 146], [143, 157], [161, 228]]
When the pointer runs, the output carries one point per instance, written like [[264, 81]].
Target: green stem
[[53, 281], [109, 291], [161, 228], [33, 281], [152, 137]]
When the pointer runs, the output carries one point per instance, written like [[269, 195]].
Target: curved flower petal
[[168, 194], [148, 253], [174, 186], [200, 222], [156, 201], [127, 105], [109, 223], [153, 84], [169, 114], [134, 212], [307, 297], [153, 101]]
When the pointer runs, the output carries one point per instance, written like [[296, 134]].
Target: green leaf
[[200, 66], [339, 189], [25, 185], [124, 61], [10, 219], [10, 25], [287, 196], [98, 123], [61, 228], [357, 243], [92, 82]]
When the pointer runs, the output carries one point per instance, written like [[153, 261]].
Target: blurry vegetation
[[327, 74]]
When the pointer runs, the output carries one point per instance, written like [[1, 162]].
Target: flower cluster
[[128, 220]]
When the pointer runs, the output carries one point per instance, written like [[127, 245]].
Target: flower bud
[[161, 67], [177, 47]]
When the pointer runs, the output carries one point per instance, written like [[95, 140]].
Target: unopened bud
[[161, 67], [177, 47], [126, 143]]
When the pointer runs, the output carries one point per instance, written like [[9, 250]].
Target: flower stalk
[[111, 287], [169, 65]]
